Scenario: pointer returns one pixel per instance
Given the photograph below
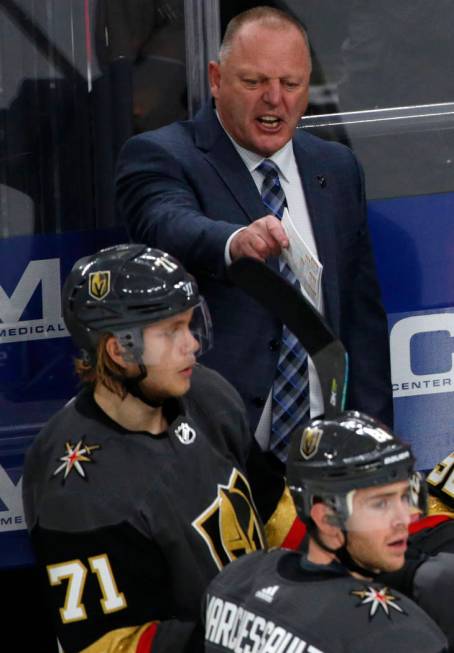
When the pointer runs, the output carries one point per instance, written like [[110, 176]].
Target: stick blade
[[290, 306]]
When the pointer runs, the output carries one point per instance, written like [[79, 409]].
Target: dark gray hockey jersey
[[128, 527], [267, 603], [428, 574]]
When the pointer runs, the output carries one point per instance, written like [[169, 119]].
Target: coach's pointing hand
[[262, 238]]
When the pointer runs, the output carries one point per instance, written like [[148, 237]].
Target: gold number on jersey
[[444, 470], [75, 572]]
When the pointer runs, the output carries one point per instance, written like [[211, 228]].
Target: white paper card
[[302, 261]]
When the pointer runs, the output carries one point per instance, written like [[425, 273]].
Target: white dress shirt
[[296, 203]]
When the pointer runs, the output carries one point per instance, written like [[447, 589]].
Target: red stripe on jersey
[[427, 522], [146, 641], [295, 535]]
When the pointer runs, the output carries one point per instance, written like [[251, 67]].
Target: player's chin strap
[[313, 533], [132, 385], [341, 554], [345, 558]]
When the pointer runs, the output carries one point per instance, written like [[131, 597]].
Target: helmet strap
[[132, 385], [345, 558], [342, 554], [313, 532], [88, 356]]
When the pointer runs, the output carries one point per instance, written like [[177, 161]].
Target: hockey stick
[[290, 306]]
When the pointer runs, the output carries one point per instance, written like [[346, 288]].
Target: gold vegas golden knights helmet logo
[[99, 284], [230, 525], [310, 441]]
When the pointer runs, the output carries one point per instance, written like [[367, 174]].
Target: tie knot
[[268, 168]]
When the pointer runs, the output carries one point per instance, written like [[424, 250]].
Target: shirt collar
[[282, 158]]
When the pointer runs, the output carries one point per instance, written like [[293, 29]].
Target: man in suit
[[195, 188]]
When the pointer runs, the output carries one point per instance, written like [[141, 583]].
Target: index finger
[[277, 231]]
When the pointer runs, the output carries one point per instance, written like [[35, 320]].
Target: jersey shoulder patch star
[[73, 458], [378, 598]]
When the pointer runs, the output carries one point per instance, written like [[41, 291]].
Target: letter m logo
[[45, 272]]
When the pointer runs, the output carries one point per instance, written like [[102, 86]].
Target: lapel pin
[[321, 180]]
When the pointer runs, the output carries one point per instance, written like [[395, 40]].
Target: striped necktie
[[290, 394]]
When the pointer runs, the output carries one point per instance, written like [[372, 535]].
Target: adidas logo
[[267, 593]]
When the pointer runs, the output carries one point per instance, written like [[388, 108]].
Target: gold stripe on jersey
[[437, 507], [122, 640], [279, 524]]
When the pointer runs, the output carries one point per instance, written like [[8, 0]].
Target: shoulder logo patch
[[378, 598], [267, 594], [230, 525], [185, 433], [74, 457]]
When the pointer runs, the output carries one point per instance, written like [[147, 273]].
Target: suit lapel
[[319, 197], [218, 150]]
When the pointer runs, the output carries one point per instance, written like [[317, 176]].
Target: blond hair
[[105, 371]]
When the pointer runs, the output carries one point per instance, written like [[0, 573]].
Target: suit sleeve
[[160, 207]]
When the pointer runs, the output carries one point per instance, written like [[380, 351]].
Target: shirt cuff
[[227, 257]]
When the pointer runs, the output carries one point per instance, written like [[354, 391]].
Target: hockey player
[[435, 532], [353, 485], [428, 574], [136, 492]]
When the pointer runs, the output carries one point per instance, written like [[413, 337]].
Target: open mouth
[[269, 122], [398, 544]]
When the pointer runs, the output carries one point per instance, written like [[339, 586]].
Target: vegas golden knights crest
[[310, 441], [99, 284], [230, 525]]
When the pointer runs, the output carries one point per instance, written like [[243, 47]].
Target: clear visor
[[392, 506], [174, 342]]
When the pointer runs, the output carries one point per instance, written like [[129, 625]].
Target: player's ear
[[115, 351], [327, 525]]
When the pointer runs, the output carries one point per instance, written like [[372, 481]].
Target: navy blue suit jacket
[[184, 189]]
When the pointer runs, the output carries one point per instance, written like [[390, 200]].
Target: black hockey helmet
[[122, 289], [331, 458]]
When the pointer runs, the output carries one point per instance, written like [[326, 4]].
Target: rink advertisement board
[[36, 359], [422, 371], [413, 240], [416, 270]]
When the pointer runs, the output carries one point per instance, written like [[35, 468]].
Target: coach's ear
[[327, 525], [214, 77]]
